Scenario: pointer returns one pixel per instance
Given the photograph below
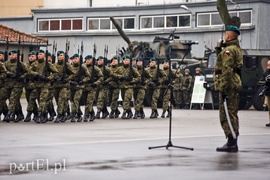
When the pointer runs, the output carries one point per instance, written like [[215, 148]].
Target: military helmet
[[187, 70]]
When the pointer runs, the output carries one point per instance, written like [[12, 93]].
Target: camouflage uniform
[[91, 89], [227, 81], [61, 85], [154, 84], [14, 85], [76, 87], [177, 83], [3, 74], [165, 92], [44, 73], [127, 76], [186, 89], [266, 90]]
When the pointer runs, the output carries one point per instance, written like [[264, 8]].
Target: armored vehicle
[[254, 64]]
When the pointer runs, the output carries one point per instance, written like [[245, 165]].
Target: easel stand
[[169, 144]]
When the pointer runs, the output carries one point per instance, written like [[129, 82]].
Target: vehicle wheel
[[257, 101]]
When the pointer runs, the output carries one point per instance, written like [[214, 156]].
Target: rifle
[[65, 61], [22, 55], [93, 63], [105, 60], [54, 51], [6, 51], [79, 75], [143, 72], [46, 67], [130, 69], [19, 65]]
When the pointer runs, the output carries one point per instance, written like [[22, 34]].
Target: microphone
[[190, 43]]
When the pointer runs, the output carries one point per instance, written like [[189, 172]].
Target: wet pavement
[[118, 149]]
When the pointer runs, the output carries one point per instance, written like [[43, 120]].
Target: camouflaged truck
[[254, 64]]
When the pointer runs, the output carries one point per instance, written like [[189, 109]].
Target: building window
[[106, 24], [59, 24], [213, 19], [165, 21]]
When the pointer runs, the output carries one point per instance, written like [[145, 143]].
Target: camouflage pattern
[[3, 74], [186, 89], [177, 84], [114, 89], [165, 92], [229, 60]]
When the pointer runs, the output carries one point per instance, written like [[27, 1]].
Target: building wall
[[16, 8]]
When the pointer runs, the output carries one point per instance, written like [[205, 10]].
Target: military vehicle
[[254, 64], [160, 48]]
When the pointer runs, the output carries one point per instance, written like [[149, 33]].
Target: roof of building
[[12, 36]]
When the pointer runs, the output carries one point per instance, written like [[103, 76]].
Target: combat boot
[[78, 117], [142, 113], [105, 113], [19, 116], [230, 146], [129, 114], [117, 113], [44, 118], [152, 114], [59, 118], [86, 117], [39, 117], [124, 115], [111, 115], [7, 116], [169, 114], [28, 116], [136, 114], [163, 114], [12, 117], [92, 116], [98, 114], [72, 117], [267, 125]]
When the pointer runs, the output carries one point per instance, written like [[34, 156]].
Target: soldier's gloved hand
[[166, 82], [64, 80], [224, 96], [157, 83], [41, 77], [80, 82], [12, 75], [105, 83], [73, 83], [58, 79], [170, 86], [152, 84], [132, 82], [20, 79], [94, 85]]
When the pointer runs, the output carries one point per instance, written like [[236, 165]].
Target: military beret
[[100, 57], [14, 51], [1, 52], [187, 70], [114, 58], [32, 53], [233, 28], [152, 59], [198, 69], [127, 57], [88, 57], [75, 55], [41, 51], [71, 57], [165, 60], [138, 59], [60, 52], [49, 54]]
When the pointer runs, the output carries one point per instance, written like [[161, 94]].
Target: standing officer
[[17, 71], [186, 88], [91, 87], [65, 74], [128, 76], [177, 84], [228, 83], [157, 76]]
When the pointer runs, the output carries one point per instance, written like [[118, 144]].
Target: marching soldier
[[65, 74], [103, 88], [186, 89], [91, 87], [127, 76], [3, 74], [45, 73], [228, 82], [140, 89], [77, 85], [157, 76], [114, 89], [30, 90], [17, 71], [177, 84]]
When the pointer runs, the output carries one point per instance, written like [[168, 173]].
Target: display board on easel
[[198, 94]]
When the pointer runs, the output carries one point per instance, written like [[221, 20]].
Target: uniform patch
[[227, 52]]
